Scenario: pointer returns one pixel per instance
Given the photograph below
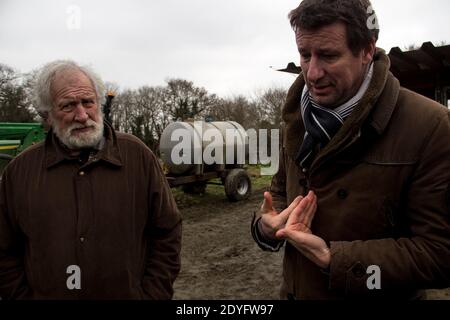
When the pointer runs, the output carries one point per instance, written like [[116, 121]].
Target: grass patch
[[216, 193]]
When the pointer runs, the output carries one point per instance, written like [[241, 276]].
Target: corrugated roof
[[423, 69]]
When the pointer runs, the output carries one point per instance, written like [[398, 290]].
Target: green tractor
[[16, 137]]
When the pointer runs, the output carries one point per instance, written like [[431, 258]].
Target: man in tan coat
[[361, 198]]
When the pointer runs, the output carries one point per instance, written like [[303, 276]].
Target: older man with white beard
[[88, 213], [76, 118]]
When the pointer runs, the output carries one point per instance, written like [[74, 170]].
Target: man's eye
[[88, 102], [330, 56], [67, 107], [305, 57]]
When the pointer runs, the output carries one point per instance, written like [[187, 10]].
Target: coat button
[[358, 270], [303, 182], [82, 239], [342, 194], [81, 173]]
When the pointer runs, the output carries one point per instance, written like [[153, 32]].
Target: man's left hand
[[297, 232]]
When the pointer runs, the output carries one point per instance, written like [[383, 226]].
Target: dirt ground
[[220, 259]]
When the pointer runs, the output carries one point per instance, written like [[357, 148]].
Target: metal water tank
[[193, 134]]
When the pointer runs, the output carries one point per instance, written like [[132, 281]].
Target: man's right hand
[[272, 221]]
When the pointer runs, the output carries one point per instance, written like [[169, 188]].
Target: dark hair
[[314, 14]]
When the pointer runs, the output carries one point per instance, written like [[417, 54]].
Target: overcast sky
[[226, 46]]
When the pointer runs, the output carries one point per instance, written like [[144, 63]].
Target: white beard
[[82, 140]]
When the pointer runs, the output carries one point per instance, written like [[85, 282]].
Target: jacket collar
[[55, 153], [375, 109]]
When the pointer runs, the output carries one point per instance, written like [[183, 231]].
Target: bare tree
[[149, 114], [121, 112], [15, 97], [237, 108], [186, 101], [270, 103]]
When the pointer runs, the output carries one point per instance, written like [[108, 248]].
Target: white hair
[[43, 84]]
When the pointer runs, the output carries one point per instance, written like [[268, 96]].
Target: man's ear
[[369, 52], [46, 117]]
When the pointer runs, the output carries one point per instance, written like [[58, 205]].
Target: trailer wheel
[[238, 185], [195, 188]]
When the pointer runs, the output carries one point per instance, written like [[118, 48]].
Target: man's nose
[[315, 70], [81, 114]]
